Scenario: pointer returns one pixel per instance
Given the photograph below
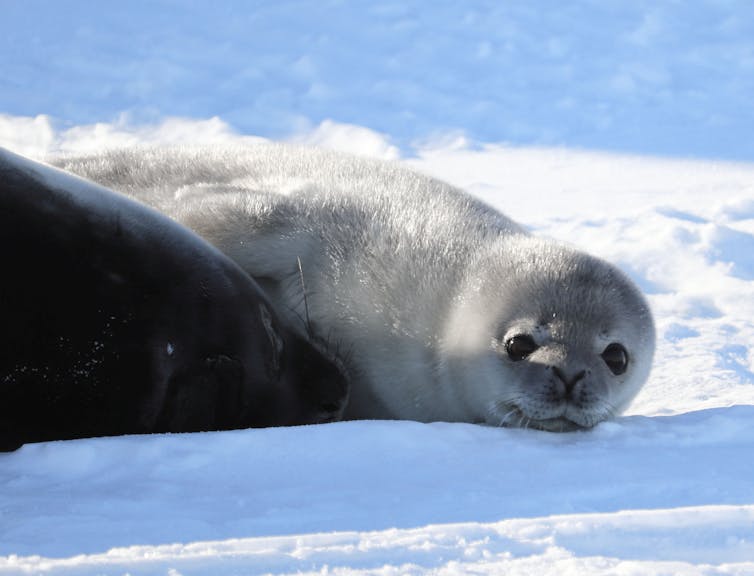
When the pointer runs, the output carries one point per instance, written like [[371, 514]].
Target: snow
[[666, 78], [362, 496], [621, 128], [553, 545]]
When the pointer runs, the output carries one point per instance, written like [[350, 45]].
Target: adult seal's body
[[116, 319], [443, 308]]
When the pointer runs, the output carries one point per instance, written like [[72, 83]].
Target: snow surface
[[526, 502], [666, 489], [670, 78]]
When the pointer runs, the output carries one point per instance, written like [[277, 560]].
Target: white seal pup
[[442, 308]]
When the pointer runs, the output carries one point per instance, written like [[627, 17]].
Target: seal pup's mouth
[[556, 425], [516, 418]]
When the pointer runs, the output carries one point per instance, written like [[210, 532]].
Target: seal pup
[[446, 309], [117, 320]]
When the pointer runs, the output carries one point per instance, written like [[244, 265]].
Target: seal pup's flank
[[449, 309], [117, 320]]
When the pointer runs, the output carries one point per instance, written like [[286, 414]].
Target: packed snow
[[555, 116]]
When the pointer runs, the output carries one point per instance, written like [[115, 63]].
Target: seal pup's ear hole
[[616, 358], [520, 346]]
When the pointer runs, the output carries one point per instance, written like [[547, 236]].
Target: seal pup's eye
[[520, 346], [616, 358]]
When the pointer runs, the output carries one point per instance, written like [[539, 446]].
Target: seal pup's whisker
[[506, 416], [306, 301]]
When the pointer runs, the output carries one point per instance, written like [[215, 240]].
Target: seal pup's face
[[550, 339]]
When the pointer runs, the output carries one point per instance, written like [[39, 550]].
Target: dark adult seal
[[117, 320]]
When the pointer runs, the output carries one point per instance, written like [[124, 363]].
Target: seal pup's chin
[[557, 425], [515, 417]]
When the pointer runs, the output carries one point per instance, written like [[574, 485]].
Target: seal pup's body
[[444, 308], [117, 320]]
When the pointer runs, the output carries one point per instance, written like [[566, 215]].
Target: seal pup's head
[[546, 337]]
